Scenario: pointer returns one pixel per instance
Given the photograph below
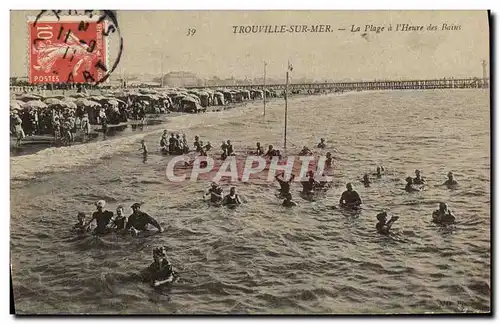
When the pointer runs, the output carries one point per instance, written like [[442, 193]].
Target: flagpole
[[286, 104], [161, 76], [265, 64]]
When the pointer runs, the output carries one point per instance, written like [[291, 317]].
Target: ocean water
[[261, 258]]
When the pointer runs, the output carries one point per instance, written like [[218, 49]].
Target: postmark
[[71, 48]]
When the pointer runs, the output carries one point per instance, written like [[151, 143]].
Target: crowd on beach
[[67, 117]]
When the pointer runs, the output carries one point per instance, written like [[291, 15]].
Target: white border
[[190, 4]]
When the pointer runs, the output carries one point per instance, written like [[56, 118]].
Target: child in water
[[160, 271], [120, 221], [383, 226], [81, 227], [144, 148]]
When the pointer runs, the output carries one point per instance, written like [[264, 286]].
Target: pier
[[466, 83]]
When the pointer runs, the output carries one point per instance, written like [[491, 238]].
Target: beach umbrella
[[189, 99], [147, 91], [124, 99], [113, 102], [195, 97], [69, 104], [28, 97], [53, 102], [79, 95], [97, 98], [120, 101], [147, 97], [35, 104], [87, 103]]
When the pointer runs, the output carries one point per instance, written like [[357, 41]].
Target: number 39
[[191, 32]]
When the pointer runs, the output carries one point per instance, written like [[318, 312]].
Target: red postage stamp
[[66, 51]]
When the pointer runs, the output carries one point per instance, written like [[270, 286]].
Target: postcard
[[250, 162]]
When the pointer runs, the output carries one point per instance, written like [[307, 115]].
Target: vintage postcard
[[250, 162]]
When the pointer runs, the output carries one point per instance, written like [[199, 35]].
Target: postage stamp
[[70, 50]]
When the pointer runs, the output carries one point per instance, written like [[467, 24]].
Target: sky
[[214, 50]]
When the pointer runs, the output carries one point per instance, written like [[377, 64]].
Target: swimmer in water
[[379, 172], [259, 151], [179, 149], [232, 198], [288, 202], [443, 215], [418, 180], [144, 148], [272, 152], [451, 182], [350, 198], [196, 143], [215, 192], [229, 148], [224, 150], [310, 184], [366, 180], [185, 145], [160, 271], [139, 220], [102, 218], [164, 142], [172, 143], [383, 226], [207, 147], [409, 185], [329, 160], [80, 227], [120, 220], [284, 184], [322, 144], [203, 163], [305, 151]]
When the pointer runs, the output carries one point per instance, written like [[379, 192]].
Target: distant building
[[181, 79]]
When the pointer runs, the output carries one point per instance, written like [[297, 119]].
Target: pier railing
[[466, 83]]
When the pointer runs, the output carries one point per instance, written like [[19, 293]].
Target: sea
[[261, 258]]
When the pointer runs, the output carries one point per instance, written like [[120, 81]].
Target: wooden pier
[[467, 83]]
